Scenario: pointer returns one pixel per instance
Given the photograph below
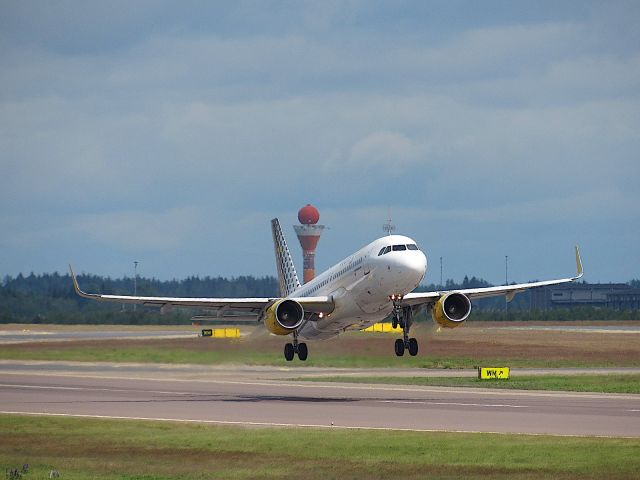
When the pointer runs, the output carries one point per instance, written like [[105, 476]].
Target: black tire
[[399, 346], [303, 351], [413, 347], [394, 322], [288, 352]]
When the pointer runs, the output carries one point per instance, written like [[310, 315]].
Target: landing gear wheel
[[413, 347], [289, 352], [302, 351], [403, 316], [399, 346]]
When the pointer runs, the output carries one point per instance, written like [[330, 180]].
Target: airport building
[[618, 296]]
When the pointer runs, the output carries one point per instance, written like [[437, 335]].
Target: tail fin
[[287, 276]]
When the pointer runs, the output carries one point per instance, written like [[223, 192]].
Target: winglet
[[578, 264], [75, 284]]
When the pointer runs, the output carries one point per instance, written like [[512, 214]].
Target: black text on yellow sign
[[493, 373]]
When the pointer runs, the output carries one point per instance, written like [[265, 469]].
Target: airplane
[[366, 287]]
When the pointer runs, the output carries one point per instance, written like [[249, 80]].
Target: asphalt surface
[[44, 335], [265, 396], [634, 329]]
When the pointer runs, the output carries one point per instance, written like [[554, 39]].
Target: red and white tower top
[[308, 234]]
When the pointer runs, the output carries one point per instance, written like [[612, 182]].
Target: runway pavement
[[64, 333], [40, 334], [627, 329], [263, 396]]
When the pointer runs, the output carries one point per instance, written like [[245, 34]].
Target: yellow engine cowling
[[283, 317], [451, 310]]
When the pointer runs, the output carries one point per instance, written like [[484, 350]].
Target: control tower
[[308, 234]]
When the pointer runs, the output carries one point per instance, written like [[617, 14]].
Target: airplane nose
[[399, 272], [419, 265], [412, 267]]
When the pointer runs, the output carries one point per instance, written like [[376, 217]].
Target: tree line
[[50, 298]]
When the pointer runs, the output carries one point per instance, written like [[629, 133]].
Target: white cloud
[[383, 152], [132, 230]]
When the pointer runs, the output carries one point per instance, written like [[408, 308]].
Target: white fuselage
[[361, 285]]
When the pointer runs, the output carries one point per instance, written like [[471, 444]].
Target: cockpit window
[[387, 250], [412, 246], [399, 248], [381, 251]]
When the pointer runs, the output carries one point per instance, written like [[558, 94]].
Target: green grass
[[609, 383], [147, 354], [115, 449], [243, 354]]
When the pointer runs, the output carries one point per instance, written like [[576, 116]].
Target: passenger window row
[[334, 276]]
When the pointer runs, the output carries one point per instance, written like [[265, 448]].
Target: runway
[[265, 396], [40, 334]]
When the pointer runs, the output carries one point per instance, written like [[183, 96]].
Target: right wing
[[250, 306], [230, 308]]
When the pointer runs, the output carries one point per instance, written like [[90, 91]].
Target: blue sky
[[171, 133]]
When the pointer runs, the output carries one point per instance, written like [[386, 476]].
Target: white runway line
[[93, 389], [458, 404], [297, 425], [345, 386]]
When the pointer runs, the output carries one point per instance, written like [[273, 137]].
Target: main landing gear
[[290, 349], [403, 316]]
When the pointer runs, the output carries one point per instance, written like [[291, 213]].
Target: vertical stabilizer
[[287, 276]]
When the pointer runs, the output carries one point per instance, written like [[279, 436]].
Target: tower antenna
[[388, 226]]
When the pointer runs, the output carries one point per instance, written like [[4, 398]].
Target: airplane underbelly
[[346, 313], [370, 297]]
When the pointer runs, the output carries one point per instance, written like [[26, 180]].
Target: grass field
[[466, 347], [610, 383], [111, 449]]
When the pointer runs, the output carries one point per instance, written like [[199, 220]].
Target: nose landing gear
[[290, 349], [403, 316]]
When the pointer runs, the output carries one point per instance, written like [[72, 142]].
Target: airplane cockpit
[[397, 248]]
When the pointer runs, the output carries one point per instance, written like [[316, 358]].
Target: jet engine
[[451, 310], [283, 317]]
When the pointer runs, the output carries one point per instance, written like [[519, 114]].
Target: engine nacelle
[[451, 310], [283, 317]]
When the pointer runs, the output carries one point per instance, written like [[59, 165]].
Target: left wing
[[510, 291]]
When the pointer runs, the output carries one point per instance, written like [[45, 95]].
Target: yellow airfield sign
[[382, 328], [221, 332], [493, 373]]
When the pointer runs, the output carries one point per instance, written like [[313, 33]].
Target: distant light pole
[[506, 282], [440, 272], [135, 282]]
